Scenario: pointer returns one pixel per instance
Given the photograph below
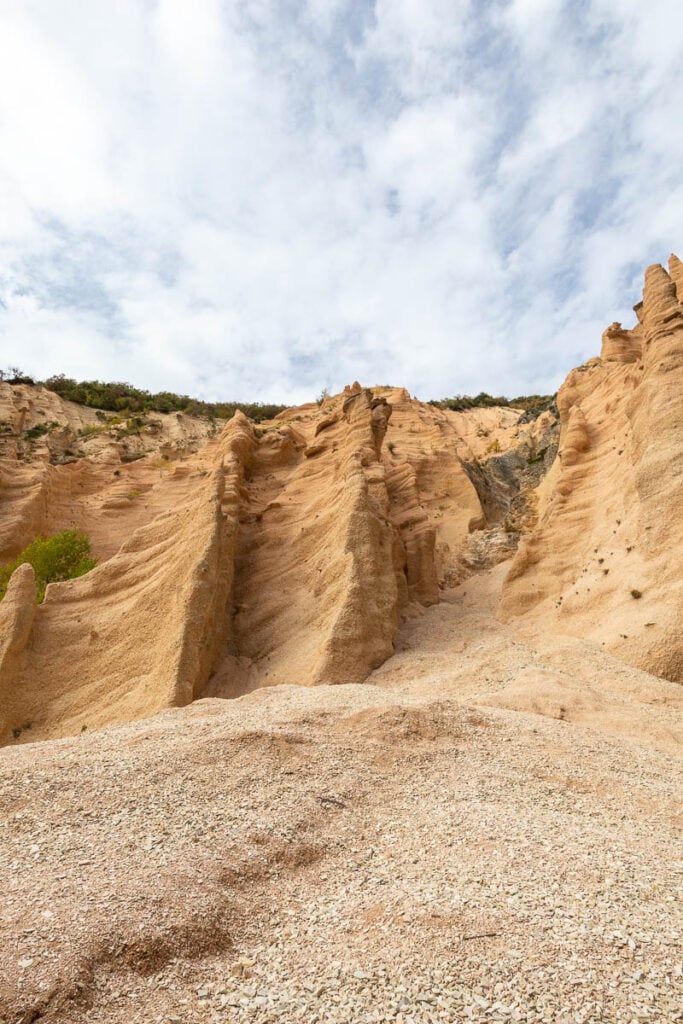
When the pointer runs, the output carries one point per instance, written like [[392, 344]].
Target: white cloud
[[254, 200], [52, 137], [191, 35]]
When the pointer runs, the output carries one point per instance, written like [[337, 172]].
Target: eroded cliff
[[292, 553], [605, 561], [286, 553]]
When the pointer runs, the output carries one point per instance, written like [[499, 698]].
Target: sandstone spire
[[676, 274]]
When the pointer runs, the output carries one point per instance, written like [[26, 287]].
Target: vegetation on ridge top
[[125, 399], [533, 405]]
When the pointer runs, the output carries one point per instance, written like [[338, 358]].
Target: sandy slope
[[459, 650]]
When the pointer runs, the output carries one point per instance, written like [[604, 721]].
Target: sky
[[260, 199]]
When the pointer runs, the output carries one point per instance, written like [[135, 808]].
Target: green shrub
[[534, 404], [127, 401], [64, 556], [40, 428], [91, 429]]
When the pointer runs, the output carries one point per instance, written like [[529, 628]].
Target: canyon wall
[[605, 561], [291, 553], [283, 554]]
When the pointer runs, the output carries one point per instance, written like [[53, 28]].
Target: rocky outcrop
[[434, 503], [140, 632], [61, 467], [605, 561], [506, 481], [17, 612], [316, 595], [621, 346], [676, 275], [286, 554], [416, 532]]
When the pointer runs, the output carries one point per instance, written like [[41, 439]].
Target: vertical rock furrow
[[418, 535], [316, 599]]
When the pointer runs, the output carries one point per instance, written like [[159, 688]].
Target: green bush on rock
[[63, 556]]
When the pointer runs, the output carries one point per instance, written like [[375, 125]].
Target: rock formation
[[292, 553], [605, 561], [283, 554], [446, 840], [139, 632]]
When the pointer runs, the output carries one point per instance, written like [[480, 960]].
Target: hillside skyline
[[261, 201]]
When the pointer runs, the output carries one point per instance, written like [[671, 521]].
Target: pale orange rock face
[[605, 561], [253, 558], [620, 345], [295, 552]]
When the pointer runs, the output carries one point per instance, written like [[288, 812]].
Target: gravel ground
[[341, 854]]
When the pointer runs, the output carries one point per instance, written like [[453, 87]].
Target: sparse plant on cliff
[[91, 429], [15, 375], [40, 428], [63, 556]]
